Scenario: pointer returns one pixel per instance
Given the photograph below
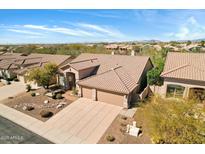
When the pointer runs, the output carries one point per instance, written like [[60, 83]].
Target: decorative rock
[[59, 106], [62, 103], [15, 106], [24, 108], [46, 101], [49, 94]]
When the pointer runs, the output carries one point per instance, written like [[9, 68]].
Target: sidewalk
[[11, 90]]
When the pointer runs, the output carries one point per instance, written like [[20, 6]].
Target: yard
[[35, 105], [118, 130], [162, 120]]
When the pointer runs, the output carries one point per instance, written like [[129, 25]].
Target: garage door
[[87, 92], [110, 98]]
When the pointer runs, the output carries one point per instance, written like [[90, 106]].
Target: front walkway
[[83, 121], [11, 90]]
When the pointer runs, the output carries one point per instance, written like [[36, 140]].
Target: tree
[[153, 77], [202, 43], [43, 76], [188, 43], [174, 121]]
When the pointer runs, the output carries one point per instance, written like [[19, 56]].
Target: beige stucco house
[[18, 64], [113, 79], [184, 75]]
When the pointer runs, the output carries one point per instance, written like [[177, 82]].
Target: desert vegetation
[[174, 121]]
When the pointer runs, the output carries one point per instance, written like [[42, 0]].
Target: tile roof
[[80, 65], [115, 79], [117, 73], [185, 66], [134, 65], [17, 60]]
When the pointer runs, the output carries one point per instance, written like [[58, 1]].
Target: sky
[[80, 26]]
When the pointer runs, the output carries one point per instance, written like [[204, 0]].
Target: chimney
[[132, 53], [113, 53]]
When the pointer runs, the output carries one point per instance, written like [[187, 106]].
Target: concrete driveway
[[83, 121], [11, 90]]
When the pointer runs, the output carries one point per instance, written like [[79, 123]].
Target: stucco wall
[[86, 92], [185, 83]]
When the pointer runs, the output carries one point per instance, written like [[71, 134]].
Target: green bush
[[16, 79], [74, 91], [33, 94], [54, 96], [59, 96], [28, 87], [174, 121]]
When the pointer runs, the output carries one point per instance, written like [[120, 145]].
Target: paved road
[[11, 90], [11, 133]]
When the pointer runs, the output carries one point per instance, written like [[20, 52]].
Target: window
[[175, 91], [197, 93]]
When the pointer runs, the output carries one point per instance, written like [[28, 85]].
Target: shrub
[[174, 121], [33, 94], [28, 87], [16, 79], [123, 124], [29, 108], [8, 82], [54, 96], [46, 114], [123, 130], [74, 91], [124, 117], [59, 96], [110, 138]]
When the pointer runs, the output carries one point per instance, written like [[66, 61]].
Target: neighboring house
[[112, 47], [18, 64], [184, 75], [113, 79]]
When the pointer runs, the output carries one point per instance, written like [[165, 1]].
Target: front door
[[71, 80]]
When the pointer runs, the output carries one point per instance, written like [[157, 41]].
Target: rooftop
[[185, 66], [118, 73]]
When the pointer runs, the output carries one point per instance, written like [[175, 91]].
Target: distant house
[[113, 79], [184, 75], [125, 47], [112, 47], [18, 64]]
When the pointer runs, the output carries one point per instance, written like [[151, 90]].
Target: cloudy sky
[[68, 26]]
